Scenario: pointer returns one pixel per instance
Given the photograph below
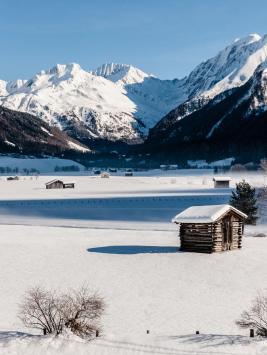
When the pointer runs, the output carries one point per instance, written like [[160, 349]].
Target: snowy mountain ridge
[[123, 73], [119, 102]]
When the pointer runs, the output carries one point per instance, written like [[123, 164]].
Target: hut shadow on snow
[[134, 249]]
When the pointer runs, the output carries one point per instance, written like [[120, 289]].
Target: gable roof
[[205, 214], [52, 181]]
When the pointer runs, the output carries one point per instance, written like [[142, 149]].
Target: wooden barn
[[12, 178], [55, 184], [209, 229], [59, 184], [221, 182]]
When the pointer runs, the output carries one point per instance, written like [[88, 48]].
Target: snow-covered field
[[115, 235]]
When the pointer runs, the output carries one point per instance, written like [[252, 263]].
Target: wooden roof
[[52, 181]]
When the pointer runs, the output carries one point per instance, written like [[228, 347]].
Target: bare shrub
[[52, 312], [256, 317], [82, 311]]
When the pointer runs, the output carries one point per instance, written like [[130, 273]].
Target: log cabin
[[59, 184], [55, 184], [209, 229]]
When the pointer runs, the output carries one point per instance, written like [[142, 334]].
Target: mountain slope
[[120, 103], [23, 133], [235, 118], [89, 106], [66, 95]]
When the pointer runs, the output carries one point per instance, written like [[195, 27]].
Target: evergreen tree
[[244, 199]]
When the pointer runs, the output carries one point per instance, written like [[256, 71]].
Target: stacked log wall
[[196, 237]]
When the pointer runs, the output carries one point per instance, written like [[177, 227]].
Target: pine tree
[[244, 199]]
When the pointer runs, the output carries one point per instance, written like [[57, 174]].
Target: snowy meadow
[[115, 235]]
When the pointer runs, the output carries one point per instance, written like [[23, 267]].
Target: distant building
[[105, 175], [12, 178], [113, 170], [209, 229], [221, 182], [129, 172], [59, 184]]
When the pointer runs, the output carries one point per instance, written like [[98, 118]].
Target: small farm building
[[105, 175], [59, 184], [209, 229], [221, 182], [128, 172], [12, 178]]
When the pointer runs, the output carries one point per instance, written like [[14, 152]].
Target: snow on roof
[[222, 178], [51, 182], [55, 180], [205, 214]]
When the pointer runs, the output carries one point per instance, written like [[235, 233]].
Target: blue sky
[[165, 37]]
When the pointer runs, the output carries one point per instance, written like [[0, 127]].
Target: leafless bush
[[256, 317], [52, 312]]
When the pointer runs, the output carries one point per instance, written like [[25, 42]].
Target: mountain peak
[[63, 69], [123, 73], [253, 37]]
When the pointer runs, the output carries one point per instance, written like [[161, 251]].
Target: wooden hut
[[59, 184], [105, 175], [128, 172], [12, 178], [55, 184], [209, 229], [221, 182]]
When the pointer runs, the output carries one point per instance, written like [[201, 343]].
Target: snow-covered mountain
[[120, 105], [119, 102], [232, 67], [232, 123], [66, 95]]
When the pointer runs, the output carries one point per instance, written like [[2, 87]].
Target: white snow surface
[[204, 214], [116, 236]]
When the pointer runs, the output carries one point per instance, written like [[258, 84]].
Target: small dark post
[[251, 333], [44, 331], [97, 333], [147, 331], [197, 332]]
